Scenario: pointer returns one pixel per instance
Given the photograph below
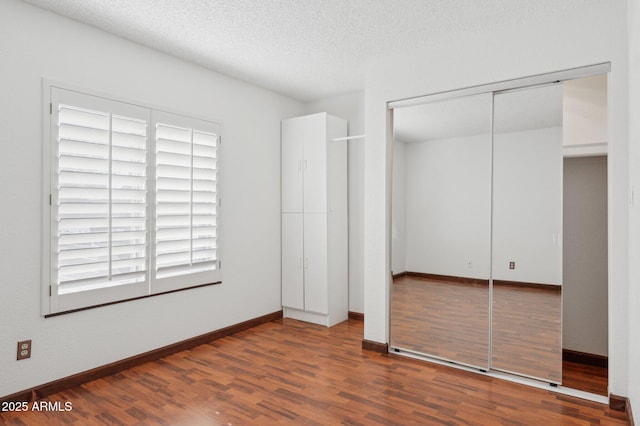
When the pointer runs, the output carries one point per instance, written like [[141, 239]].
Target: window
[[133, 202], [186, 200]]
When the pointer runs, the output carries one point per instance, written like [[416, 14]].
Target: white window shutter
[[99, 212], [134, 202], [186, 202]]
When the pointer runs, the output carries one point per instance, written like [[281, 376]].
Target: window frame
[[82, 300]]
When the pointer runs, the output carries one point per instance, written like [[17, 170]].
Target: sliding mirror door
[[527, 233], [441, 229]]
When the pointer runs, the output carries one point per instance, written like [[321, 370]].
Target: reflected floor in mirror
[[448, 320], [445, 319], [527, 330], [584, 377]]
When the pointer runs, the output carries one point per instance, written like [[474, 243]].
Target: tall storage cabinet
[[314, 219]]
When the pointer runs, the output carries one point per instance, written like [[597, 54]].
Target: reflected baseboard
[[522, 284], [469, 280], [585, 358], [438, 277]]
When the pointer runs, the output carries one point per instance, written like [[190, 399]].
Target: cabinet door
[[292, 148], [315, 164], [292, 261], [316, 298]]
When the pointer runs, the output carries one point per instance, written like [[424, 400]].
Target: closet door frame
[[518, 83], [494, 88]]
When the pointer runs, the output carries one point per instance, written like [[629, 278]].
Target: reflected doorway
[[585, 337]]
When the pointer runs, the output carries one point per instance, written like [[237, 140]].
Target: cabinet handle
[[300, 265], [305, 164], [299, 165], [306, 263]]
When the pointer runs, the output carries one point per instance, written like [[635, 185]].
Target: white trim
[[491, 203], [601, 399], [585, 150], [45, 259], [586, 145], [348, 138], [48, 83], [504, 85]]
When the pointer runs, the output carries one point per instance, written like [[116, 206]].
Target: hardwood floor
[[587, 378], [527, 331], [450, 320], [290, 372], [446, 319]]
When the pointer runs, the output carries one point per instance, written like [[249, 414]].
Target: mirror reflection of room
[[441, 229], [499, 232], [526, 267]]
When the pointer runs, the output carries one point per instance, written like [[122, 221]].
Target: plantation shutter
[[186, 202], [99, 205]]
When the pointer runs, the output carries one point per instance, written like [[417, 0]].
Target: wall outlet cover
[[24, 350]]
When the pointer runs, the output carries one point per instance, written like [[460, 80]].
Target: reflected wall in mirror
[[527, 233], [441, 227], [499, 255]]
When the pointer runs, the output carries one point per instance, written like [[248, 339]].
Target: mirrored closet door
[[477, 231], [441, 226], [526, 327]]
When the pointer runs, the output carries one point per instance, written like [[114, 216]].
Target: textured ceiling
[[305, 49]]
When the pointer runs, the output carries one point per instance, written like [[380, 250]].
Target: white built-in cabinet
[[314, 219]]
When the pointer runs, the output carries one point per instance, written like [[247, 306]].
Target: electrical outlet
[[512, 265], [470, 264], [24, 350]]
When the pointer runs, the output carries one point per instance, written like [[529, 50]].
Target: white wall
[[448, 206], [350, 107], [399, 209], [584, 272], [527, 206], [36, 44], [584, 118], [595, 33], [634, 161]]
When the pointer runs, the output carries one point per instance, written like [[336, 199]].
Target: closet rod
[[349, 138]]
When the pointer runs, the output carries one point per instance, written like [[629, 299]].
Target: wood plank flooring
[[290, 372], [587, 378], [445, 319], [450, 320], [527, 331]]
